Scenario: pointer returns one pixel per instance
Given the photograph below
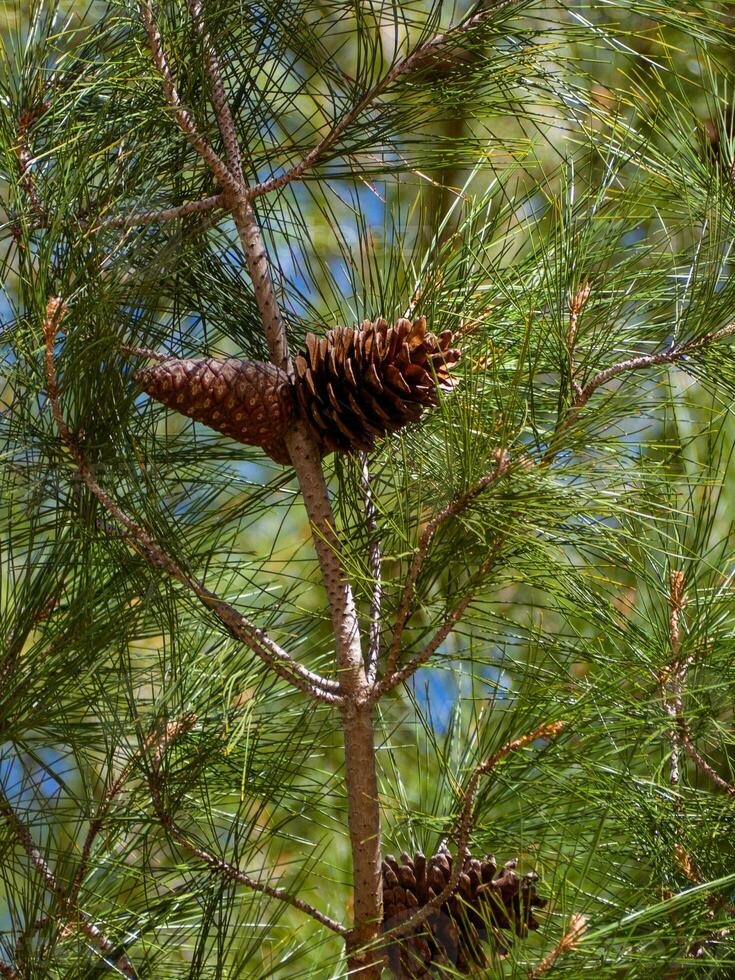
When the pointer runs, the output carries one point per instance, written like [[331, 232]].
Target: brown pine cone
[[453, 933], [249, 401], [354, 386]]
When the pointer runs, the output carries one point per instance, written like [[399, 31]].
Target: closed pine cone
[[354, 386], [250, 401], [451, 936]]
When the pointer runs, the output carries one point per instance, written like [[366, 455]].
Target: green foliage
[[559, 144]]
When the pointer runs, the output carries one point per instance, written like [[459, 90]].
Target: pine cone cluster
[[350, 387], [452, 934]]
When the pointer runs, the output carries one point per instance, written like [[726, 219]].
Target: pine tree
[[366, 597]]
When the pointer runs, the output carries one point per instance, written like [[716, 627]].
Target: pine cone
[[249, 401], [452, 933], [350, 387], [354, 386]]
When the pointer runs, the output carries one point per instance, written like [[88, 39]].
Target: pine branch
[[25, 158], [583, 394], [418, 59], [225, 121], [238, 201], [673, 682], [570, 940], [669, 356], [371, 514], [673, 685], [212, 203], [357, 723], [181, 115], [73, 917], [158, 745], [95, 826], [698, 759], [451, 510], [464, 824], [391, 681], [172, 731], [38, 215], [272, 655]]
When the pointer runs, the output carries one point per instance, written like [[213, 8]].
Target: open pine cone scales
[[354, 386], [350, 387], [451, 936]]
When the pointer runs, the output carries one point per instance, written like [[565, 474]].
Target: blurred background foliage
[[563, 143]]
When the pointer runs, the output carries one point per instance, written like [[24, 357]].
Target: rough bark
[[363, 813]]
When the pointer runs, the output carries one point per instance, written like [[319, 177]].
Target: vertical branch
[[219, 98], [363, 811], [676, 674], [371, 514], [673, 686], [246, 221], [256, 259], [357, 721], [181, 115]]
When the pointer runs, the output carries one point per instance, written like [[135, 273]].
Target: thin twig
[[570, 940], [583, 394], [259, 642], [172, 731], [186, 124], [391, 681], [148, 352], [451, 510], [576, 304], [669, 356], [673, 682], [75, 918], [25, 157], [417, 59], [673, 685], [699, 761], [95, 826], [463, 828], [222, 111], [158, 746], [230, 176], [160, 217], [371, 515], [547, 730]]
